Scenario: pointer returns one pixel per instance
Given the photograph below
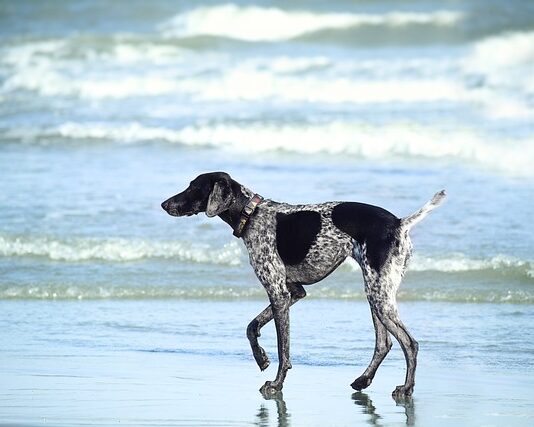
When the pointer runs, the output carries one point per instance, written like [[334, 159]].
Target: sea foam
[[114, 249], [117, 250], [509, 73], [253, 23], [354, 292], [132, 67], [401, 140]]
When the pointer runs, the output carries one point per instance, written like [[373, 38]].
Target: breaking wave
[[36, 68], [509, 73], [502, 265], [118, 68], [80, 292], [117, 250], [497, 279], [394, 141], [252, 23], [230, 254], [516, 55]]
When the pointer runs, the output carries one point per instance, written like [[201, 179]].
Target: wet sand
[[163, 389]]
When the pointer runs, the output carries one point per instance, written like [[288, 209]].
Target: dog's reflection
[[283, 417], [363, 400]]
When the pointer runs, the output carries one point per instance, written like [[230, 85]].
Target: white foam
[[461, 263], [279, 78], [51, 82], [230, 254], [243, 82], [60, 68], [505, 63], [150, 70], [90, 291], [500, 52], [254, 23], [143, 53], [394, 141], [130, 132], [118, 250], [125, 50], [133, 67], [28, 53]]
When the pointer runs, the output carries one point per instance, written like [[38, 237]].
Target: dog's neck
[[242, 195]]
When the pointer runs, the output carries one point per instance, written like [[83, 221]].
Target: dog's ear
[[220, 198]]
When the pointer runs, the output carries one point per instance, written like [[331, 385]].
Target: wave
[[516, 50], [71, 291], [35, 67], [230, 254], [117, 250], [117, 68], [394, 141], [461, 263], [81, 292], [80, 66], [116, 49], [252, 23], [509, 72]]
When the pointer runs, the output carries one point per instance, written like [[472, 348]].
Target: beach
[[188, 363], [113, 312]]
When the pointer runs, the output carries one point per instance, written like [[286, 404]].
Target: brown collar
[[246, 213]]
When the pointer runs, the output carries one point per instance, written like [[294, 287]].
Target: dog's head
[[210, 192]]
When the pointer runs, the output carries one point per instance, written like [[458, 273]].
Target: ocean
[[109, 108]]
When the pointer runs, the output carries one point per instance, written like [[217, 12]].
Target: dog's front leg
[[280, 302], [253, 330], [271, 272]]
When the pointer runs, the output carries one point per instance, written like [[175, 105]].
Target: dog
[[290, 246]]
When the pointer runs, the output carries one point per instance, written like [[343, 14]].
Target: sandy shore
[[188, 363], [160, 389]]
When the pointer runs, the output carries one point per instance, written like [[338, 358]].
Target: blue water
[[108, 108]]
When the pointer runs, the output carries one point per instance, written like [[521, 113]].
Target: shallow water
[[106, 110], [188, 363]]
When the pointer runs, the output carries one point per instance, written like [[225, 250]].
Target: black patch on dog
[[295, 233], [368, 224]]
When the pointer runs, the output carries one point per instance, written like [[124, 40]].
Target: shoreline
[[145, 363], [168, 389]]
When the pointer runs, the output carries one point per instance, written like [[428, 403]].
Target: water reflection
[[409, 408], [283, 417], [363, 400]]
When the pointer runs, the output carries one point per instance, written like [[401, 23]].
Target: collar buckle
[[246, 213]]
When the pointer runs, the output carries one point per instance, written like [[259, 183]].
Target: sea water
[[108, 108]]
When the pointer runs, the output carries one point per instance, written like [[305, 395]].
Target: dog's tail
[[408, 222]]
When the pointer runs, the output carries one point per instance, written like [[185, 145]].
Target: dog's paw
[[270, 389], [402, 391], [361, 383], [261, 359]]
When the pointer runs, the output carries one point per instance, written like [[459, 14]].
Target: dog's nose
[[165, 204]]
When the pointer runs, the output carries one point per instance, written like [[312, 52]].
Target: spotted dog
[[294, 245]]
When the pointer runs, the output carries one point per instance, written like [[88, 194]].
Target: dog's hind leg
[[381, 288], [253, 330], [391, 320], [382, 346], [381, 293]]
